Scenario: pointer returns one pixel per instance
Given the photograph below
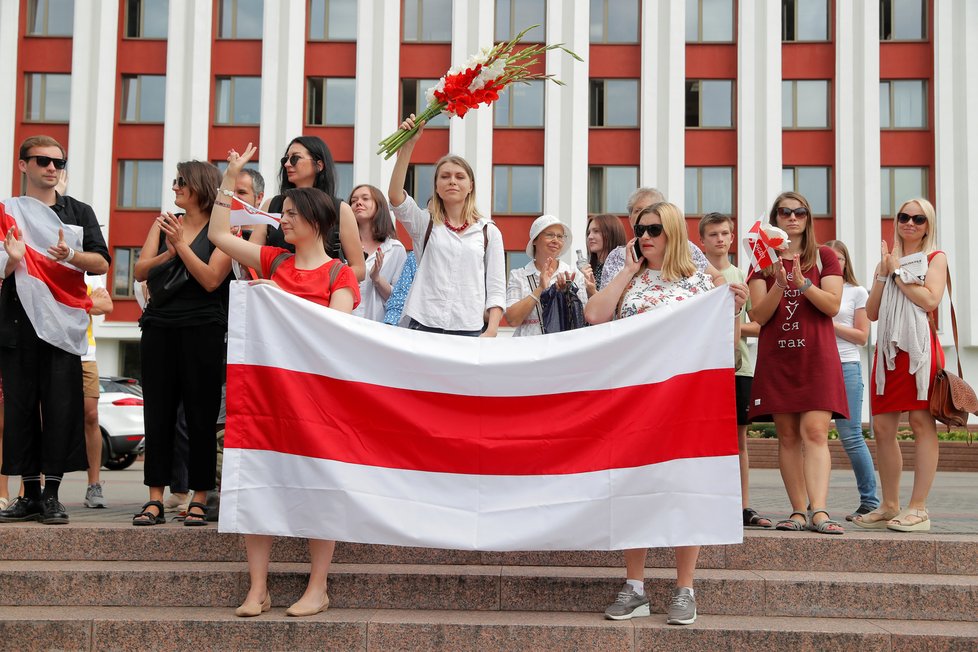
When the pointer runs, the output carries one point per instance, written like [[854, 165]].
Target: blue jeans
[[851, 435]]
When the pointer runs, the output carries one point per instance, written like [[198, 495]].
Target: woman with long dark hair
[[385, 253], [604, 234], [308, 163], [798, 377]]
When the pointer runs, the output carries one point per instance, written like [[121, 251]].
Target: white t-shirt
[[853, 298]]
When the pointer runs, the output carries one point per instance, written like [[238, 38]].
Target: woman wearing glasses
[[308, 163], [460, 287], [798, 379], [664, 273], [182, 345], [904, 296], [549, 239]]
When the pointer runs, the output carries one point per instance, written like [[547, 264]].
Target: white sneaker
[[93, 496]]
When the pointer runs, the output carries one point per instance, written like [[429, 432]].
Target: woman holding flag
[[798, 377], [308, 215], [659, 270]]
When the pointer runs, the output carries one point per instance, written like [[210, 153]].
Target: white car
[[120, 416]]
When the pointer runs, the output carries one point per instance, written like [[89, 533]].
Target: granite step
[[492, 588], [204, 629], [762, 549]]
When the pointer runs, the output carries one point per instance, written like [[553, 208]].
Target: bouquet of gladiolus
[[479, 82]]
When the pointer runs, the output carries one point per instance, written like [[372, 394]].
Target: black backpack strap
[[427, 235], [334, 272], [278, 260]]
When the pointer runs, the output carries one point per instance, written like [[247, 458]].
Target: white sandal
[[3, 503], [910, 520]]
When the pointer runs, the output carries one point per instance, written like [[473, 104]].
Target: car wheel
[[120, 462]]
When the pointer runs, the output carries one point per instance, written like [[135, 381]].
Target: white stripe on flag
[[605, 510]]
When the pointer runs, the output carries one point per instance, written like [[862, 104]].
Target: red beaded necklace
[[456, 229]]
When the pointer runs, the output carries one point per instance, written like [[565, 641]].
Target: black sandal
[[147, 517], [193, 519], [753, 519]]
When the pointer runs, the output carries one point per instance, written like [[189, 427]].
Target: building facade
[[719, 103]]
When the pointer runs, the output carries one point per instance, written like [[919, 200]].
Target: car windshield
[[125, 387]]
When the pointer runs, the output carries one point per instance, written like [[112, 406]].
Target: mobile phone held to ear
[[638, 249]]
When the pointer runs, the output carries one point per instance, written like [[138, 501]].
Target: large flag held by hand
[[616, 436], [244, 214], [52, 293]]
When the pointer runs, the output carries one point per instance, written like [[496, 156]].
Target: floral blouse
[[648, 291]]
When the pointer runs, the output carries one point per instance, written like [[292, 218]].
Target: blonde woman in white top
[[460, 287]]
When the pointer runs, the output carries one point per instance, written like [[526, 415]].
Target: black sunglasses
[[179, 182], [654, 230], [294, 159], [919, 220], [44, 161], [784, 211]]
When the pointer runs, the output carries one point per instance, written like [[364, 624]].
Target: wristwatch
[[807, 284], [896, 272]]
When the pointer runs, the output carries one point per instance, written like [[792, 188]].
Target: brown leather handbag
[[951, 399]]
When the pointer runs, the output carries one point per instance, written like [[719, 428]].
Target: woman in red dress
[[908, 350], [798, 378]]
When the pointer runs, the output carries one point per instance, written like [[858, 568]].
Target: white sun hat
[[540, 225]]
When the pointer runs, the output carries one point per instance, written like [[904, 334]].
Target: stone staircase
[[101, 586]]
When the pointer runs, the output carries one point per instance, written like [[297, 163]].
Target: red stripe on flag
[[297, 413]]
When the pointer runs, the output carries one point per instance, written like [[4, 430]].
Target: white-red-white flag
[[52, 293], [244, 214], [616, 436], [762, 244]]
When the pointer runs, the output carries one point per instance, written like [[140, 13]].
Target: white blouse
[[372, 305], [459, 276], [519, 287]]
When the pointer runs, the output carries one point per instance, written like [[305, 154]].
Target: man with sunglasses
[[44, 420]]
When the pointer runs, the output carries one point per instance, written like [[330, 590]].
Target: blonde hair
[[929, 243], [437, 207], [847, 274], [677, 263]]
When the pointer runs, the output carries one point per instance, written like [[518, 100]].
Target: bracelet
[[220, 203], [880, 278], [71, 254], [225, 191], [783, 287]]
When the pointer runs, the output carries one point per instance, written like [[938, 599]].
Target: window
[[237, 101], [428, 21], [513, 16], [47, 97], [147, 18], [614, 21], [897, 185], [143, 98], [813, 183], [515, 260], [50, 17], [123, 275], [709, 103], [903, 20], [804, 20], [520, 105], [131, 364], [614, 103], [709, 189], [344, 180], [709, 21], [420, 182], [805, 104], [332, 20], [140, 184], [414, 100], [517, 189], [222, 165], [903, 104], [608, 188], [240, 19], [330, 101]]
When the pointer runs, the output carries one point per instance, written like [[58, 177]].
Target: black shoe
[[53, 512], [22, 509], [862, 509]]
